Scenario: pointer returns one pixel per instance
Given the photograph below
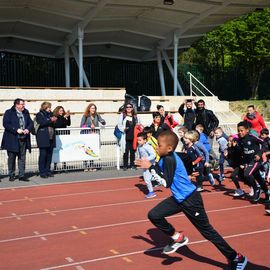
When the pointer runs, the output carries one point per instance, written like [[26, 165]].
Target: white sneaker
[[251, 193], [200, 189], [238, 193]]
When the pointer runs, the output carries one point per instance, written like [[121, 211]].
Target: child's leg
[[200, 177], [234, 177], [195, 212], [167, 207], [221, 163], [147, 176]]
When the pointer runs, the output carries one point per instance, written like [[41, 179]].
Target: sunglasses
[[129, 107]]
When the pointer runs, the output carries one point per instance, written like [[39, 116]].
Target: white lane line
[[118, 224], [41, 237], [88, 207], [72, 182], [14, 215], [147, 251], [82, 208], [84, 193], [66, 195]]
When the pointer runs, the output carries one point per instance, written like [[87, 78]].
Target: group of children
[[247, 154]]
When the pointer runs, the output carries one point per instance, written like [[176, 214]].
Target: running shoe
[[200, 189], [239, 263], [211, 179], [150, 195], [257, 195], [238, 193], [172, 247]]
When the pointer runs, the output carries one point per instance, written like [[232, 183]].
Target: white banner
[[76, 147]]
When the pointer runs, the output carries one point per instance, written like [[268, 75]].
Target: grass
[[262, 106]]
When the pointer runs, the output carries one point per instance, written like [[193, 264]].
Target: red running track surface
[[103, 225]]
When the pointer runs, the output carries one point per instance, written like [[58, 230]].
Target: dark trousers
[[45, 159], [194, 210], [21, 160], [131, 151], [251, 173], [203, 173]]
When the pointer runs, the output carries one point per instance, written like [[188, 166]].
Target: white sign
[[76, 147]]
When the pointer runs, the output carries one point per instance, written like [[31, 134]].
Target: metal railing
[[197, 88], [109, 155]]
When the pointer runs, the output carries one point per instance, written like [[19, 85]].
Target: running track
[[103, 225]]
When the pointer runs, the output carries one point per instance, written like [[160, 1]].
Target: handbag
[[117, 132], [35, 127]]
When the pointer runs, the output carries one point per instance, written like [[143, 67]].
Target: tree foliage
[[242, 43]]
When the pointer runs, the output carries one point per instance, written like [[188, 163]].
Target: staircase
[[220, 108]]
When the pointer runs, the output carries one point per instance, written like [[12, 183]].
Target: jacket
[[43, 119], [10, 140], [257, 123], [208, 119], [189, 116]]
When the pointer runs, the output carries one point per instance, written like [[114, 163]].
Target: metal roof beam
[[118, 44], [178, 32], [140, 33], [37, 40]]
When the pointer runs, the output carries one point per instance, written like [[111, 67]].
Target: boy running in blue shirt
[[171, 172]]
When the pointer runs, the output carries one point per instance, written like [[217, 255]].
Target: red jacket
[[257, 123]]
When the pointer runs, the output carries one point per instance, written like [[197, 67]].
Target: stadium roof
[[124, 29]]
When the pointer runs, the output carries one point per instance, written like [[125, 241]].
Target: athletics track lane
[[103, 225]]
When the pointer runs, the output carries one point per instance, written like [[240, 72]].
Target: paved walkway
[[69, 177]]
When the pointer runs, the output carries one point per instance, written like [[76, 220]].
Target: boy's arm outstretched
[[164, 178]]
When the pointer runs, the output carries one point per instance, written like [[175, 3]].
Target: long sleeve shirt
[[171, 173]]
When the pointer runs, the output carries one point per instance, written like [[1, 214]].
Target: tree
[[242, 43]]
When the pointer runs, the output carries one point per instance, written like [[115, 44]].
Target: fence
[[109, 151], [109, 155]]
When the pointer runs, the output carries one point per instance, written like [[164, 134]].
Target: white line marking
[[14, 215], [67, 195], [86, 207], [148, 251], [72, 182], [41, 237], [70, 260], [82, 208], [117, 224], [79, 267]]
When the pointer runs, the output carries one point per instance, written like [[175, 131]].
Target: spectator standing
[[255, 119], [187, 111], [91, 119], [16, 137], [206, 118], [62, 121], [126, 123], [45, 139], [157, 125]]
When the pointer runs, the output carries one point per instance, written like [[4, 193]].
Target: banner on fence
[[76, 147]]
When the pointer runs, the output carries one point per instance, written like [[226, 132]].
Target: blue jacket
[[10, 140], [147, 151], [204, 140], [172, 174], [43, 118]]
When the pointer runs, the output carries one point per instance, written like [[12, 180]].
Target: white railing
[[197, 88], [109, 153]]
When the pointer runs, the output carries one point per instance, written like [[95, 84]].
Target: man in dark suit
[[16, 137]]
